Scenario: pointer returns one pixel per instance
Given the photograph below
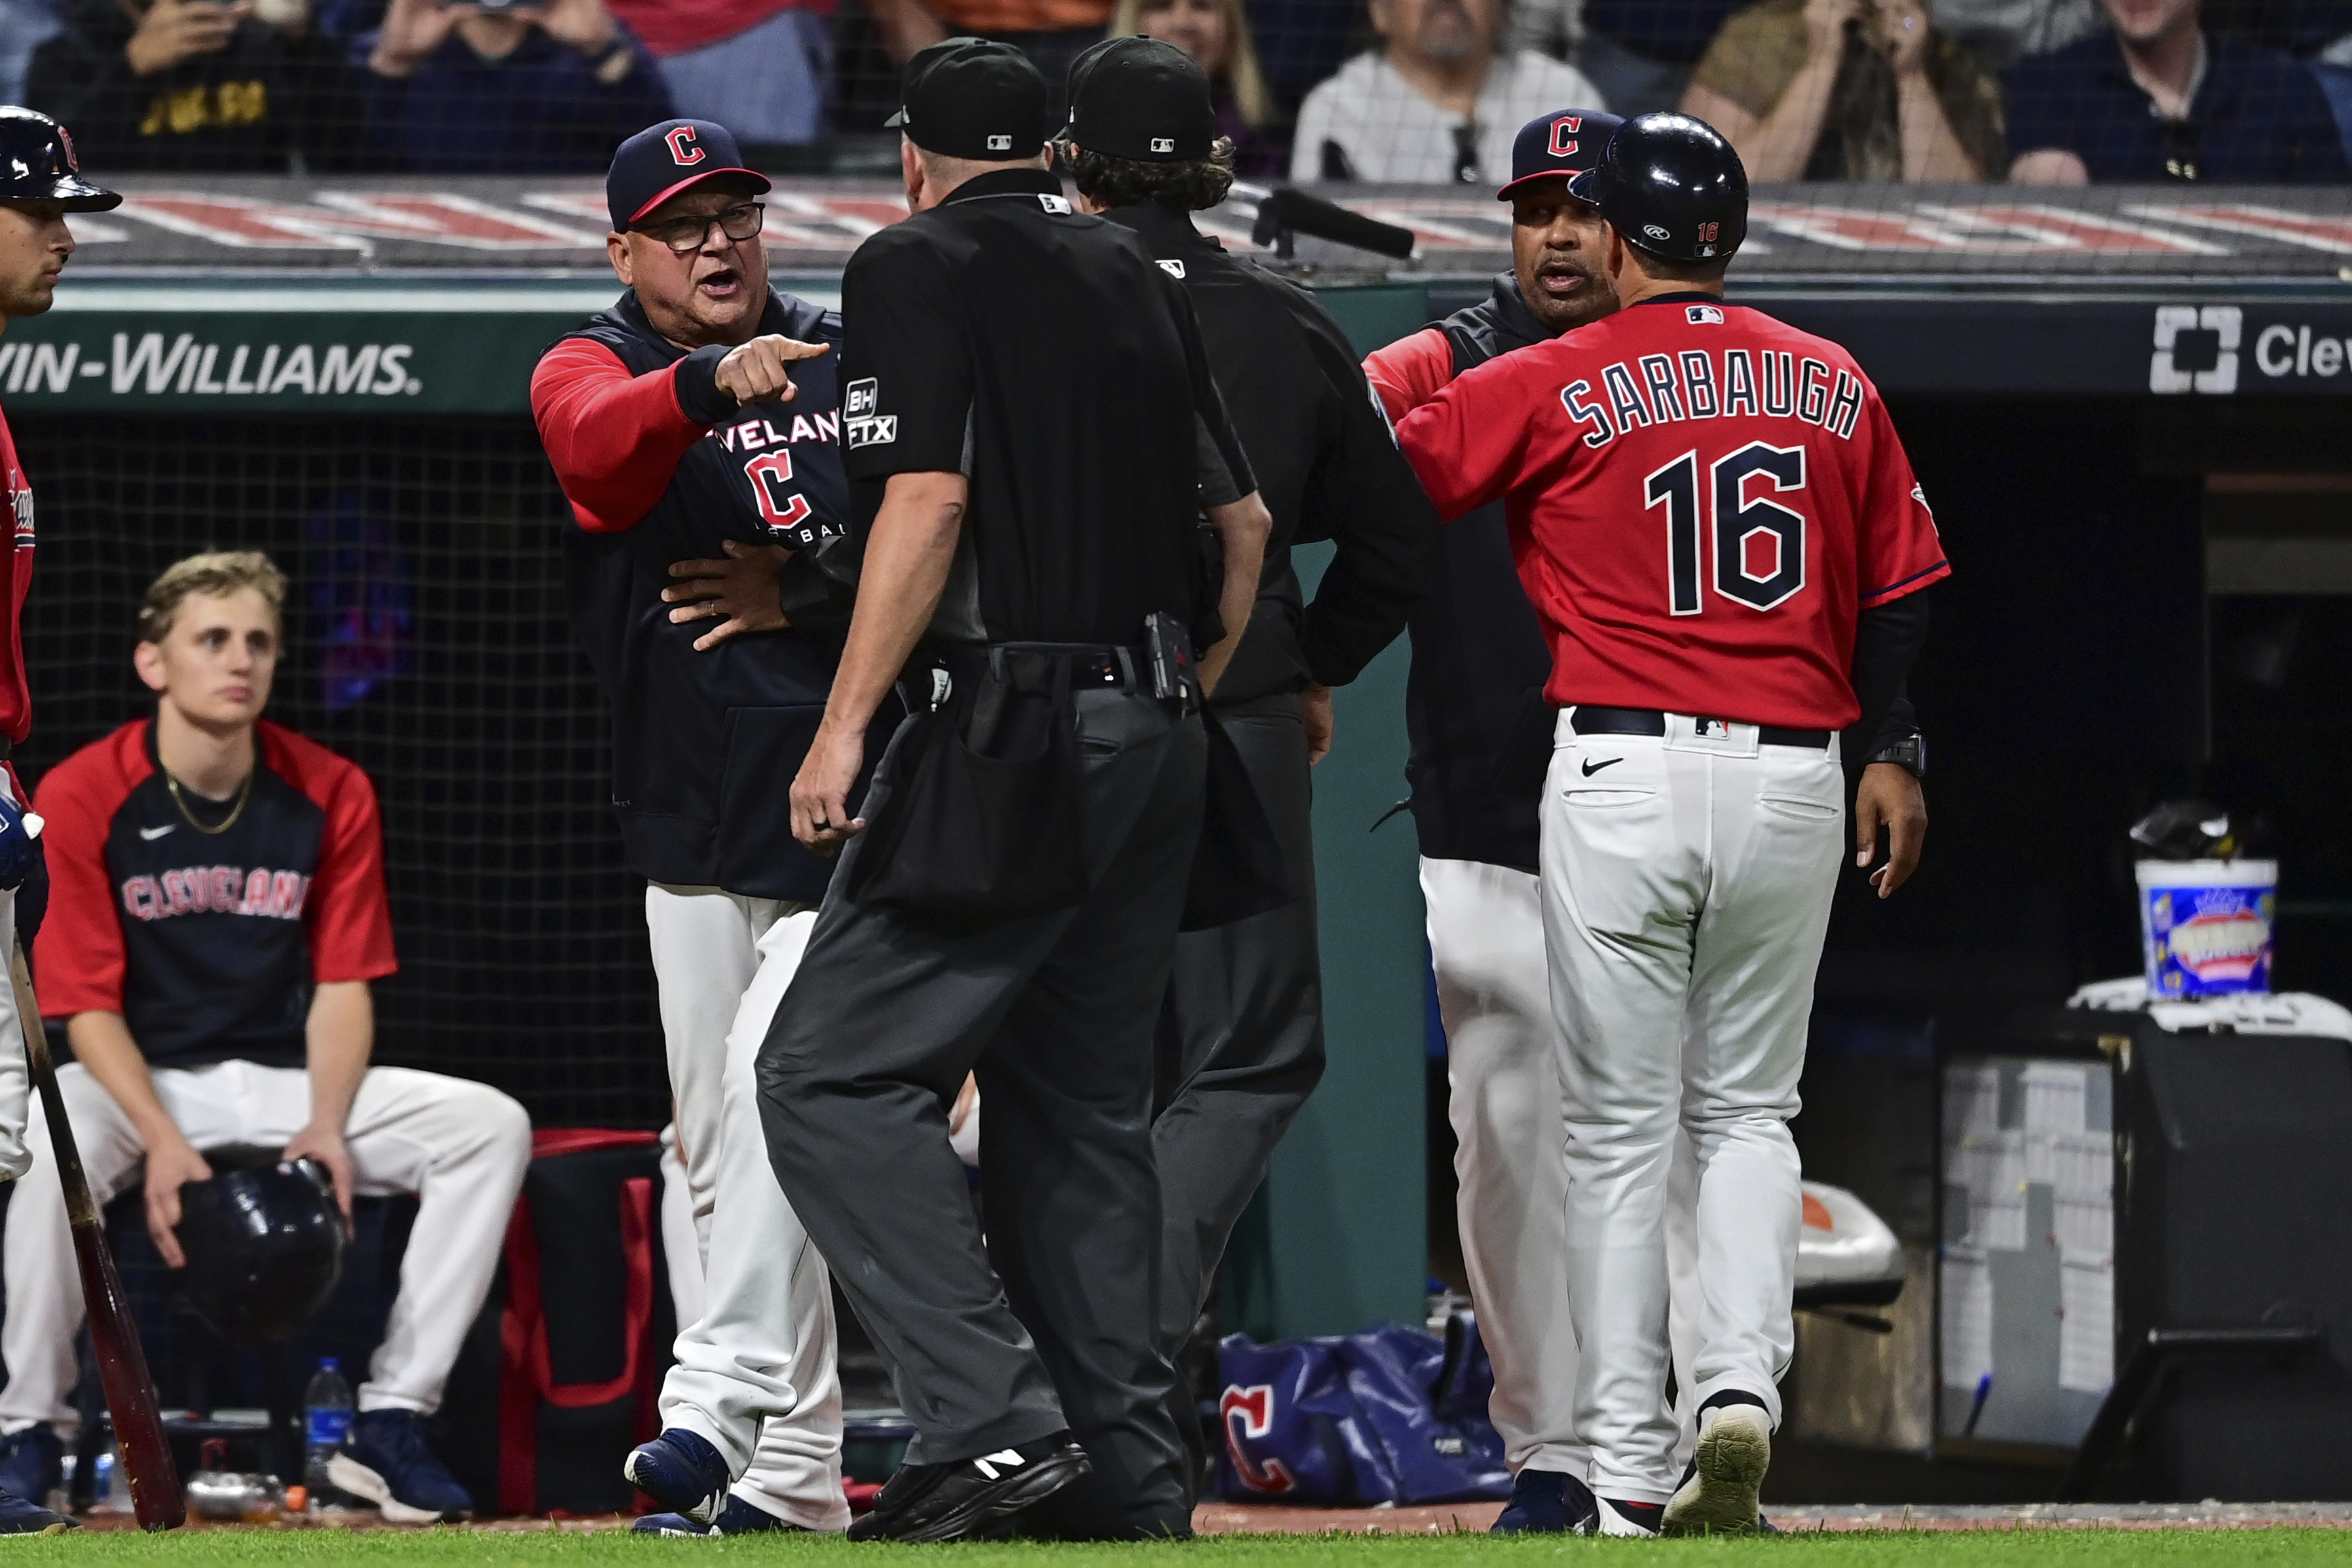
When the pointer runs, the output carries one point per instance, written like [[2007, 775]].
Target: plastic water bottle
[[326, 1407]]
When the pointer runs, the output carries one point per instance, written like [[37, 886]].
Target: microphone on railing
[[1284, 211]]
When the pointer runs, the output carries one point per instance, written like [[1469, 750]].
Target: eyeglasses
[[685, 234]]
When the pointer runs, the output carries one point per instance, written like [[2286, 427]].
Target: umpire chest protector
[[706, 745]]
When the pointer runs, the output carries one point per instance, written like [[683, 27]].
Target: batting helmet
[[265, 1249], [1672, 186], [37, 164]]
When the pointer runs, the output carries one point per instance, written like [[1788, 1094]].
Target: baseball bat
[[155, 1494]]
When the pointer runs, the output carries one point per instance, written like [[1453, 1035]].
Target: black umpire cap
[[662, 160], [1672, 186], [37, 164], [974, 98], [1559, 145], [1140, 99]]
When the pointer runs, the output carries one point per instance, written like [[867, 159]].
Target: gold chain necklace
[[243, 793]]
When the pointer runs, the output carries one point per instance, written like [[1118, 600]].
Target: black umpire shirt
[[1036, 350], [1326, 463]]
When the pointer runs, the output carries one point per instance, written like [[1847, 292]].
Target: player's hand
[[821, 819], [1825, 23], [1903, 34], [171, 1163], [413, 31], [1315, 704], [326, 1146], [175, 30], [1889, 797], [762, 370], [739, 593]]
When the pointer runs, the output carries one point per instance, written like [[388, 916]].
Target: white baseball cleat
[[1735, 1450]]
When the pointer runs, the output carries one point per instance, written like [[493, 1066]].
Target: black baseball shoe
[[966, 1497]]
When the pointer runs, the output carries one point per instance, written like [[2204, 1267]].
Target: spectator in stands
[[1434, 104], [217, 913], [1847, 90], [2001, 32], [1216, 33], [2162, 99], [494, 86], [761, 68], [1052, 33], [1639, 52], [25, 25], [241, 87]]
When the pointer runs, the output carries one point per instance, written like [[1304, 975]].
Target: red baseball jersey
[[1702, 503], [209, 943], [16, 581]]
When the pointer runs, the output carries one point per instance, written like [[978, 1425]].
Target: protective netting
[[428, 641], [1410, 92]]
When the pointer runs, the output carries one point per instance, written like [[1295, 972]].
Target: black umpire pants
[[1048, 1324], [1243, 1043]]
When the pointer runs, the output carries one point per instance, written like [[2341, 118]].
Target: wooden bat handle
[[155, 1494]]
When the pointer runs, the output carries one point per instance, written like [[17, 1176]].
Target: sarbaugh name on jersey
[[1704, 383]]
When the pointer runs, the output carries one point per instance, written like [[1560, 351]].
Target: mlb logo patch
[[1163, 143], [999, 143], [1703, 315], [860, 398]]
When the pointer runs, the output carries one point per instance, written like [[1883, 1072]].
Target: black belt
[[1091, 664], [1587, 719]]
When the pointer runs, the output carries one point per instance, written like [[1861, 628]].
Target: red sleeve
[[614, 438], [1469, 443], [1410, 371], [348, 914], [77, 959], [1899, 552]]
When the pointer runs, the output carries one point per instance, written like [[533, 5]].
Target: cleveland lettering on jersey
[[216, 891], [1708, 383]]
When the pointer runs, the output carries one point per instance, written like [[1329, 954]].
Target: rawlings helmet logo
[[1563, 135], [682, 150], [65, 141], [1655, 232]]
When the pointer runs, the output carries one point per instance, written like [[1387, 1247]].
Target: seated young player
[[217, 913]]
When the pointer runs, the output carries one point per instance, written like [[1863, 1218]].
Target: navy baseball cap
[[974, 98], [1565, 142], [1139, 98], [662, 160]]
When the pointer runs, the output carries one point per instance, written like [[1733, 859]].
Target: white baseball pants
[[1502, 1056], [755, 1375], [15, 1154], [1687, 885], [460, 1146]]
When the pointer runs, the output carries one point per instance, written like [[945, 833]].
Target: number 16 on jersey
[[1759, 543]]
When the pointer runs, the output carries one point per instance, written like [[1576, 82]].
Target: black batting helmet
[[1672, 186], [265, 1249], [37, 164]]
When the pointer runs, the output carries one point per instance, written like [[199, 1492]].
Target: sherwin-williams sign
[[219, 347]]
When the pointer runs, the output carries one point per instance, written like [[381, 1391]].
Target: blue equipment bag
[[1389, 1415]]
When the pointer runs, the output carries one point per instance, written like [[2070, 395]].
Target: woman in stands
[[1216, 33]]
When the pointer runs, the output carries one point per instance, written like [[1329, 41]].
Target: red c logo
[[1255, 1407], [682, 150], [1564, 135]]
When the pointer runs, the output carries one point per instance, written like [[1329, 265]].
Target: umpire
[[1030, 424], [1247, 1019]]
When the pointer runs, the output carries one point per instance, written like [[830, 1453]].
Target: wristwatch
[[1909, 753]]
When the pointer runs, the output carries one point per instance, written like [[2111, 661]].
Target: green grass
[[471, 1549]]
